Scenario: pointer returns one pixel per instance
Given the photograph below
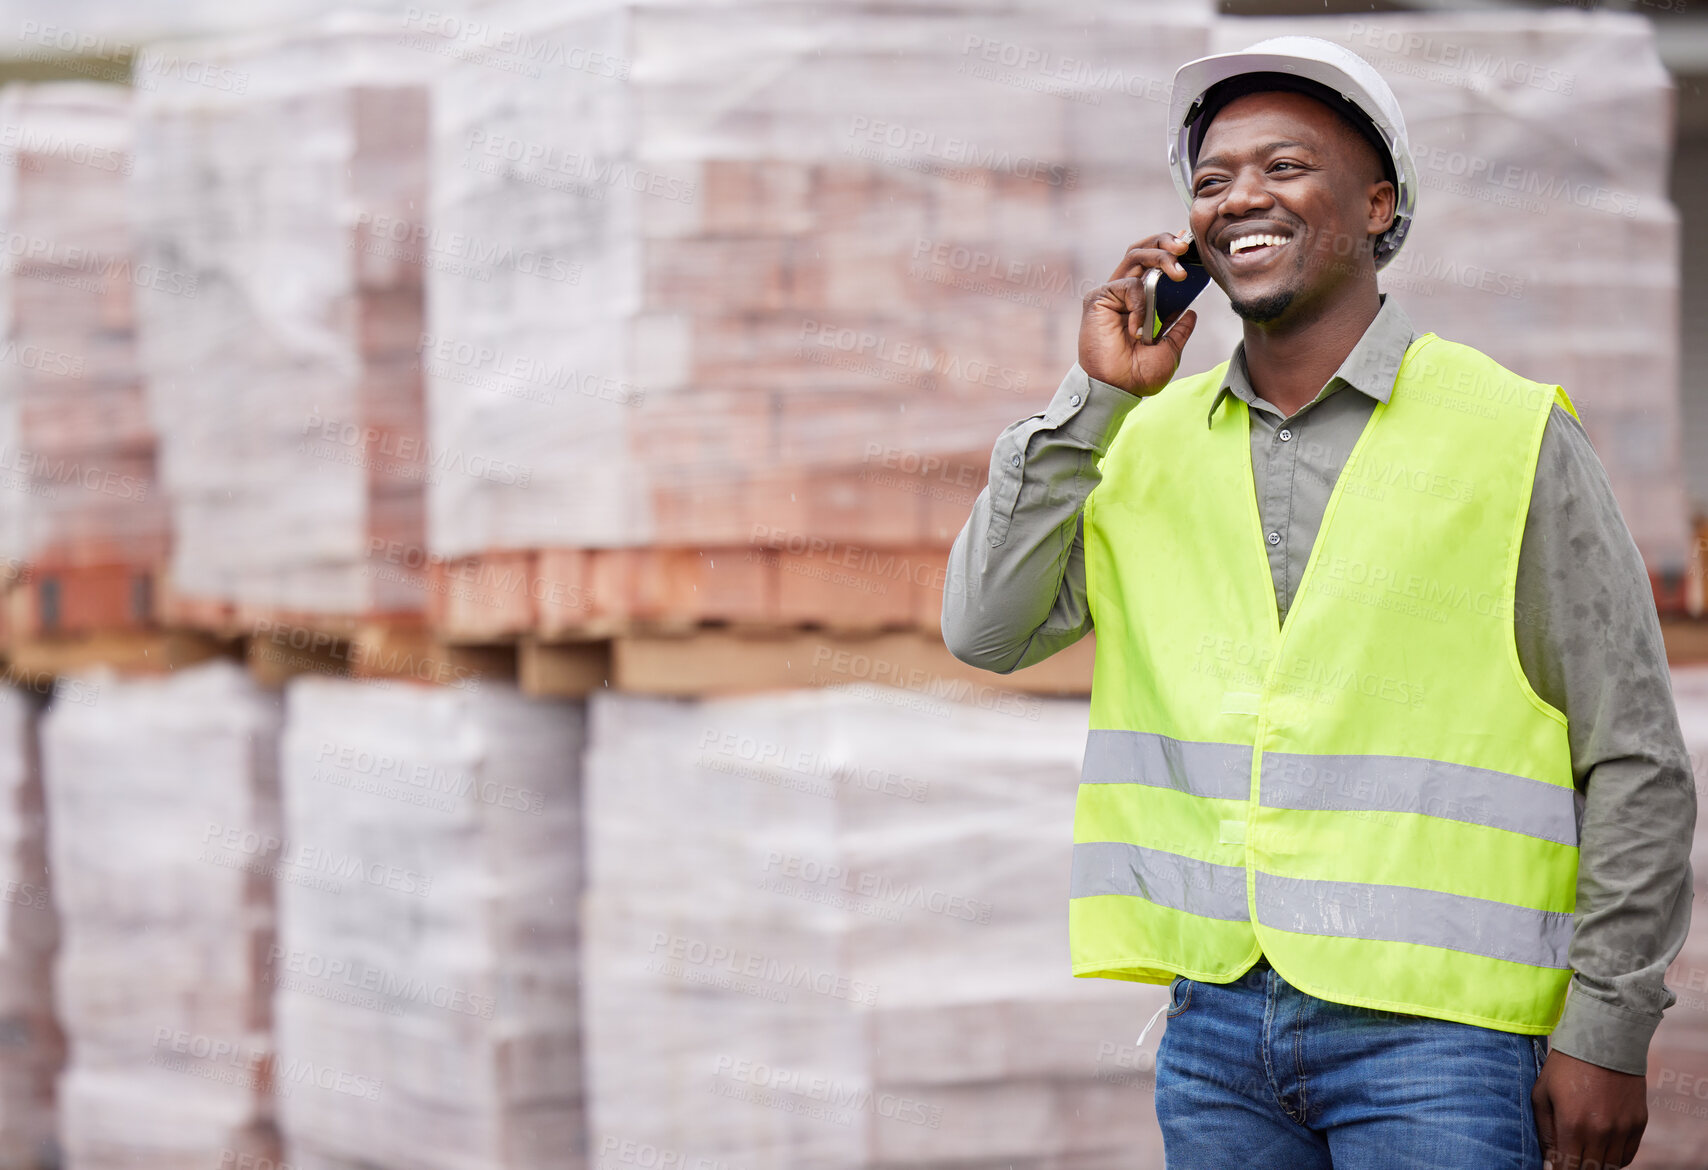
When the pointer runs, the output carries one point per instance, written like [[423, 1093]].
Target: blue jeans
[[1257, 1073]]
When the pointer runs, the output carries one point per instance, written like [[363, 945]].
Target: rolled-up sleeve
[[1014, 593]]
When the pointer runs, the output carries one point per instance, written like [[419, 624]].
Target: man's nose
[[1246, 192]]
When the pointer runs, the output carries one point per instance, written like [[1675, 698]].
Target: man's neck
[[1290, 361]]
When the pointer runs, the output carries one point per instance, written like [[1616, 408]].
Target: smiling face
[[1285, 199]]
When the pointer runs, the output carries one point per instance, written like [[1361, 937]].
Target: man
[[1384, 776]]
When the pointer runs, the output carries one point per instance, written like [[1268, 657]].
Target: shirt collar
[[1370, 368]]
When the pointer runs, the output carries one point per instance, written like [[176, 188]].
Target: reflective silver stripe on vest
[[1476, 926], [1168, 879], [1453, 792], [1140, 757]]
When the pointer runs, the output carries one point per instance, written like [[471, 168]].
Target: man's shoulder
[[1431, 350], [1465, 370]]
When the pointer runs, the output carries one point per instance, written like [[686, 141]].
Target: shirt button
[[1274, 538], [1015, 461], [1285, 434], [1074, 401]]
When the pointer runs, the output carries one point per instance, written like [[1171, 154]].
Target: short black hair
[[1225, 91]]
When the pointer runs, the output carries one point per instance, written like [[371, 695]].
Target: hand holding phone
[[1165, 297], [1133, 328]]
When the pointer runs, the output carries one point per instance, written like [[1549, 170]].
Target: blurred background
[[475, 483]]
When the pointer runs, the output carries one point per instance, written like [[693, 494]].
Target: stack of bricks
[[161, 797], [825, 929], [287, 391], [78, 497], [33, 1047], [802, 308], [1533, 133], [428, 955]]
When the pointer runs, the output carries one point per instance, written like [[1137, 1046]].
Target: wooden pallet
[[32, 660], [915, 662], [559, 594], [1686, 640], [62, 620], [1696, 581], [568, 622], [281, 646]]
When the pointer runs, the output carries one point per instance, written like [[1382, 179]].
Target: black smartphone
[[1165, 297]]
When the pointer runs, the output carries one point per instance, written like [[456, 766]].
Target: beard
[[1264, 309]]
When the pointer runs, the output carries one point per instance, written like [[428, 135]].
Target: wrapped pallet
[[77, 459], [160, 795], [777, 274], [1532, 131], [821, 254], [286, 392], [428, 951], [32, 1046], [827, 929]]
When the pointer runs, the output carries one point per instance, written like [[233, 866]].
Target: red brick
[[85, 600], [848, 586], [743, 196], [752, 273], [482, 597], [562, 591]]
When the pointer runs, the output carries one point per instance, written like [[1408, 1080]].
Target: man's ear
[[1384, 204]]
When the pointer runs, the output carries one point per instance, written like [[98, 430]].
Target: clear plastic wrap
[[77, 453], [286, 391], [428, 950], [153, 791], [815, 246], [828, 929]]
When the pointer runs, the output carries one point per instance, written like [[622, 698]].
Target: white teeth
[[1252, 241]]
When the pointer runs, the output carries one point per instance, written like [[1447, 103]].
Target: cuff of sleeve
[[1604, 1034], [1101, 410]]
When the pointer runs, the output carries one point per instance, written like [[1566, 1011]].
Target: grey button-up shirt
[[1587, 633]]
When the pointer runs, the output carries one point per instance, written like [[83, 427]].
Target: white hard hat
[[1314, 60]]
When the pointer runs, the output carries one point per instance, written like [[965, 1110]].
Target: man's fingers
[[1138, 259], [1119, 296], [1158, 251], [1633, 1139], [1622, 1145], [1137, 262]]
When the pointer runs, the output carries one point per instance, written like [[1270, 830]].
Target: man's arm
[[1015, 590], [1590, 642]]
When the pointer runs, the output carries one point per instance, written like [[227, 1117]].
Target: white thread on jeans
[[1152, 1023]]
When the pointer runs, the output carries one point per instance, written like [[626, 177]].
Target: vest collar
[[1370, 368]]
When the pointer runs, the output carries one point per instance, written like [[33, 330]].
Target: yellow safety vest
[[1370, 793]]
